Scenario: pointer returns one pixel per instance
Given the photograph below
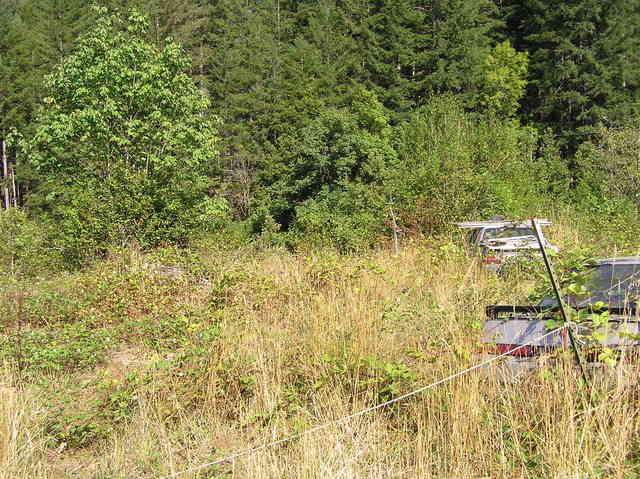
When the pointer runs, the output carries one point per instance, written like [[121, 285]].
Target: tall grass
[[307, 339]]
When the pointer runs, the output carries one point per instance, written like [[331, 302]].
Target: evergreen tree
[[411, 49], [584, 67], [7, 62], [248, 44], [36, 34], [9, 8], [40, 35], [461, 34], [185, 22], [393, 37]]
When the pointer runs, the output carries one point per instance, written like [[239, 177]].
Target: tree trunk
[[15, 187], [5, 175]]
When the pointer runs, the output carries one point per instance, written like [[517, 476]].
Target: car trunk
[[505, 335]]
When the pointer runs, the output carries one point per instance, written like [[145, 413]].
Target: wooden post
[[396, 247]]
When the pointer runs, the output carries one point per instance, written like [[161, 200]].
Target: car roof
[[619, 260], [500, 224]]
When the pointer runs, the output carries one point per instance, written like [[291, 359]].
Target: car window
[[507, 232], [613, 283], [472, 236]]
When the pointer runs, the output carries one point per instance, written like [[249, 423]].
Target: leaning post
[[556, 290]]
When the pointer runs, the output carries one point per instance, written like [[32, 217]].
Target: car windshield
[[507, 232], [614, 284]]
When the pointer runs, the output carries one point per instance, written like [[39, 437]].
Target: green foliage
[[329, 185], [349, 220], [73, 346], [34, 36], [390, 379], [504, 73], [73, 431], [583, 63], [232, 237], [26, 250], [387, 379], [73, 322], [455, 165], [124, 142], [339, 147], [616, 163], [458, 42], [606, 191], [318, 99]]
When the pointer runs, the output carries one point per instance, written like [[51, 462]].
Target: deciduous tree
[[123, 140]]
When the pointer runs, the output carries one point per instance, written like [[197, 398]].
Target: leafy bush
[[26, 249], [607, 193], [74, 346], [315, 189], [349, 220], [124, 143], [454, 165]]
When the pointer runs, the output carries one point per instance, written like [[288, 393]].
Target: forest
[[309, 122]]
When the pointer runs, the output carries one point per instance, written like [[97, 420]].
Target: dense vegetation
[[311, 122], [196, 201], [147, 364]]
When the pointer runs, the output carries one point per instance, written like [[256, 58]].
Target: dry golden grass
[[308, 339]]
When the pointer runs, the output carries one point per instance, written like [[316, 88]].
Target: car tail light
[[493, 260], [510, 349]]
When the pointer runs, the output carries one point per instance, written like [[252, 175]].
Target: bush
[[606, 193], [27, 250], [124, 143], [338, 149], [348, 220], [454, 165]]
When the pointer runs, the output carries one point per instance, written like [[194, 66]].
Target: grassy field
[[146, 364]]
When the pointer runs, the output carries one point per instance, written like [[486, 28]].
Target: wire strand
[[357, 414]]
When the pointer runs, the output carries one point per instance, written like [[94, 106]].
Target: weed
[[156, 374]]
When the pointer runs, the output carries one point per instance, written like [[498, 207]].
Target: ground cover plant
[[147, 363]]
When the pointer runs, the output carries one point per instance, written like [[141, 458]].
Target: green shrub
[[73, 346], [455, 165], [124, 144], [27, 250], [348, 220]]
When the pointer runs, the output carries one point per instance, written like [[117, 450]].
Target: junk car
[[499, 240], [610, 286]]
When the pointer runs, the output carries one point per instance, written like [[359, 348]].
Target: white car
[[500, 240]]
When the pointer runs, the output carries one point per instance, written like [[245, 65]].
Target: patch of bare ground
[[125, 359]]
